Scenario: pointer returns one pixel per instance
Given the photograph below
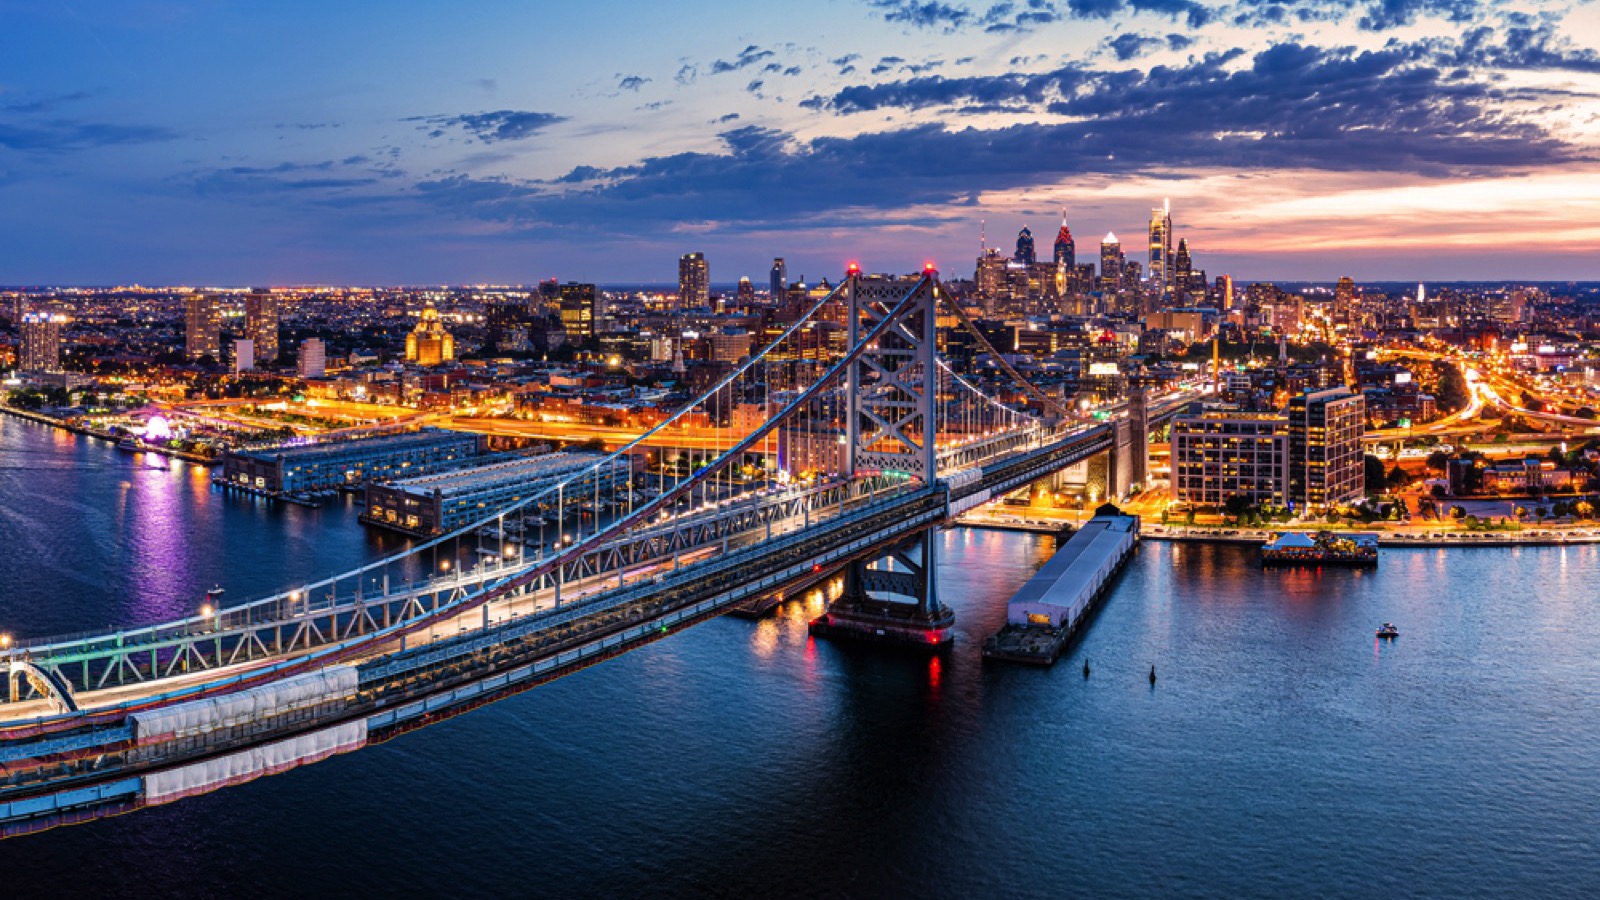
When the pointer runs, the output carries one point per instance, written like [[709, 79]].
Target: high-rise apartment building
[[41, 342], [313, 362], [1218, 455], [202, 327], [261, 324], [1161, 261], [578, 310], [1110, 264], [778, 280], [1326, 464], [694, 281]]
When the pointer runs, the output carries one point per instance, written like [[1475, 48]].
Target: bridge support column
[[892, 599], [1130, 448]]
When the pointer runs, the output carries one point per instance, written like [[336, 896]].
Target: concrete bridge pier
[[1129, 464], [892, 599]]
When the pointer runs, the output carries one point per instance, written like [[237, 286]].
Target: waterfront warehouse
[[433, 504], [318, 467]]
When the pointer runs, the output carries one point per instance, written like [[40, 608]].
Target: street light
[[5, 641]]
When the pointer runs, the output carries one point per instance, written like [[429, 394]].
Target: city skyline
[[1384, 141]]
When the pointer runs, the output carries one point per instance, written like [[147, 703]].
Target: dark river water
[[1283, 752]]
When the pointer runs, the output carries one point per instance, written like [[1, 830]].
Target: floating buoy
[[1086, 667], [1152, 674]]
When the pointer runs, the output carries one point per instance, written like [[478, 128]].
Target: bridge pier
[[1129, 464], [892, 598]]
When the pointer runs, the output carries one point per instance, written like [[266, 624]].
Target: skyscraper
[[577, 310], [1161, 250], [261, 324], [202, 327], [747, 291], [1025, 254], [779, 280], [694, 281], [41, 342], [313, 358], [1110, 264], [1182, 273], [1066, 251]]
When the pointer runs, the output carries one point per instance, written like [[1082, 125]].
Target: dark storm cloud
[[489, 127]]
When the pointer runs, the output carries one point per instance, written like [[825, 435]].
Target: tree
[[1237, 506], [1397, 477], [1374, 474], [1437, 460], [1438, 491]]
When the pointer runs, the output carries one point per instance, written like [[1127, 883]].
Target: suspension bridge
[[842, 446]]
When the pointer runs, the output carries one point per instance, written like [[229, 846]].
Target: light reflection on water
[[1283, 752]]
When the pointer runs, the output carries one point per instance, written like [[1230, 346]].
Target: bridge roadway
[[44, 777]]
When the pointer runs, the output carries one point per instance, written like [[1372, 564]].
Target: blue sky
[[222, 142]]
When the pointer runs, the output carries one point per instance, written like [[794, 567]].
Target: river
[[1282, 752]]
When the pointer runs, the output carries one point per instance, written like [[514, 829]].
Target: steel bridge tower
[[892, 390]]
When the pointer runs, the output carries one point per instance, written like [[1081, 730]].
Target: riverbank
[[1256, 537], [45, 419]]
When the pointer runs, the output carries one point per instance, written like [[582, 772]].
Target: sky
[[224, 142]]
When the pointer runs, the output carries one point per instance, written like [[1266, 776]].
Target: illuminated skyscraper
[[41, 342], [1110, 264], [202, 327], [577, 310], [1161, 250], [1025, 254], [991, 273], [261, 325], [779, 280], [1182, 273], [1066, 251], [694, 281], [1224, 291]]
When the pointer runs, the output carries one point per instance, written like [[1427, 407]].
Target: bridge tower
[[890, 594]]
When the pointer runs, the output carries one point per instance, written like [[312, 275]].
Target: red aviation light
[[854, 268], [929, 266]]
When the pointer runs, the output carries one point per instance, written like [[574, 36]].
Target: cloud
[[43, 104], [749, 56], [632, 82], [66, 134], [489, 127], [325, 178], [923, 13], [1128, 45]]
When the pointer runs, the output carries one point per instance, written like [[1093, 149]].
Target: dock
[[1046, 613]]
